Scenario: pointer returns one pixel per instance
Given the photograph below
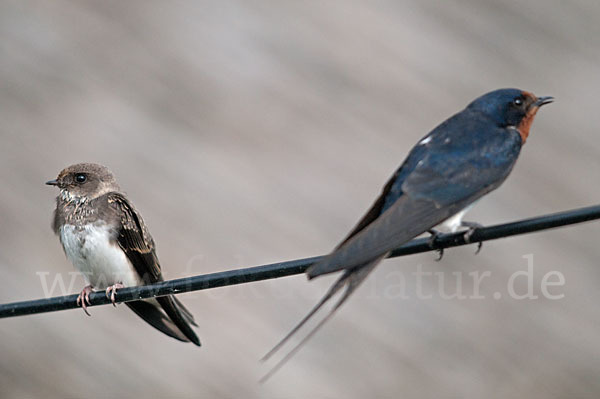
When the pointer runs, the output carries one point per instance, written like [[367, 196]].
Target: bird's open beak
[[543, 101], [52, 182]]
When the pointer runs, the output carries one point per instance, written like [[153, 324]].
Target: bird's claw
[[83, 299], [479, 245], [432, 239], [112, 291], [473, 226]]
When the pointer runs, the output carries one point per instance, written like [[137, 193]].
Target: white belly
[[452, 224], [101, 262]]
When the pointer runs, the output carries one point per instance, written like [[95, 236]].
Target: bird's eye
[[518, 102], [80, 178]]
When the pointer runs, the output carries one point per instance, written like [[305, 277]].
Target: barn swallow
[[106, 239], [458, 162]]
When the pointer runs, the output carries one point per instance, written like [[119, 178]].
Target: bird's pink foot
[[111, 292], [84, 298]]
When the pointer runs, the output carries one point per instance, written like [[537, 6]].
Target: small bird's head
[[510, 108], [85, 181]]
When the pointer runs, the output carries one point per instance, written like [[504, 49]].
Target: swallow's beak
[[543, 101], [52, 182]]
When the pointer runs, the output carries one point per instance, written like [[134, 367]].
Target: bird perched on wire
[[107, 240], [458, 162]]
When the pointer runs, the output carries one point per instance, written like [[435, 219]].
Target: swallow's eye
[[518, 101], [80, 178]]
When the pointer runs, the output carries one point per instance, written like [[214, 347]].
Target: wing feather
[[135, 240], [431, 186]]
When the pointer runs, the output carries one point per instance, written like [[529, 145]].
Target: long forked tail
[[351, 279]]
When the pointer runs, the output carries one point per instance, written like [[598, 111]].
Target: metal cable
[[282, 269]]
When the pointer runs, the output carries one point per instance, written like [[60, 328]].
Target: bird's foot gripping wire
[[473, 226], [432, 243], [112, 291], [83, 299]]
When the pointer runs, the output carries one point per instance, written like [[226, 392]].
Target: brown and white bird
[[107, 240]]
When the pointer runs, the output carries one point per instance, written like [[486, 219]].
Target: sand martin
[[106, 239]]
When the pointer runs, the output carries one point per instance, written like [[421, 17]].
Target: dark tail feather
[[157, 319], [189, 317], [351, 279], [178, 316]]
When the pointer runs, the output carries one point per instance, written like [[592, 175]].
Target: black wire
[[282, 269]]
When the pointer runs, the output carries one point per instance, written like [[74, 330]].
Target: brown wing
[[56, 219], [137, 243], [134, 238]]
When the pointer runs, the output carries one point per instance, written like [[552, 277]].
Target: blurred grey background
[[249, 132]]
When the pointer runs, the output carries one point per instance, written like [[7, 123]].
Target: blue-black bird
[[458, 162]]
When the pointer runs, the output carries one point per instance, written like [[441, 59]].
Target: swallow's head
[[512, 108], [85, 181]]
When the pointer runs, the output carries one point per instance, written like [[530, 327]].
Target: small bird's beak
[[52, 182], [543, 101]]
